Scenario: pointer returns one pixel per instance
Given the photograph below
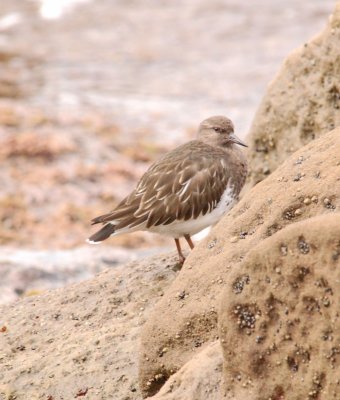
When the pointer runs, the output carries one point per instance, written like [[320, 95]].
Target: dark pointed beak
[[236, 140]]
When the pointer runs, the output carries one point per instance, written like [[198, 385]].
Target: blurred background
[[91, 92]]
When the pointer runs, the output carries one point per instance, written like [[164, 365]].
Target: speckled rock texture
[[81, 341], [280, 316], [301, 103], [199, 378], [185, 320]]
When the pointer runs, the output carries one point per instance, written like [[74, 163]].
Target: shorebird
[[187, 190]]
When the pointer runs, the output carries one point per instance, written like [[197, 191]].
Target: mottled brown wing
[[185, 183]]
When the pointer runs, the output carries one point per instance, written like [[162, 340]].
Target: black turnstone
[[187, 190]]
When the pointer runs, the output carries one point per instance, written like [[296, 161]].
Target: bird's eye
[[219, 130]]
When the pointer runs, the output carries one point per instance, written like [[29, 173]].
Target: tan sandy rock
[[279, 320], [82, 339], [185, 319], [301, 103], [199, 378]]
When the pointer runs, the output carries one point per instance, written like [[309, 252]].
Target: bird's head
[[218, 131]]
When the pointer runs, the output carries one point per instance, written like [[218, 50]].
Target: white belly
[[180, 228]]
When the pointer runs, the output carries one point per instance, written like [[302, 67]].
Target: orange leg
[[190, 243], [179, 250]]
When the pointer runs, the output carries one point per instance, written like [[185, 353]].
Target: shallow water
[[162, 66]]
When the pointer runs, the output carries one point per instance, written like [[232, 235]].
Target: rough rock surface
[[82, 339], [185, 319], [300, 104], [199, 378], [280, 316]]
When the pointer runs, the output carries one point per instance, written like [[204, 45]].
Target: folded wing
[[174, 188]]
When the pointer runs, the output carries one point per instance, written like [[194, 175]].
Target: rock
[[186, 325], [199, 378], [32, 145], [9, 86], [300, 104], [280, 331], [82, 338]]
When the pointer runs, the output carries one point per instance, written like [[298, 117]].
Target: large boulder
[[185, 320], [301, 103], [279, 318], [81, 340]]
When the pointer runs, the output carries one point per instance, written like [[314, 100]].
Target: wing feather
[[185, 183]]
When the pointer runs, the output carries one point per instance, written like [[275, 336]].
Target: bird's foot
[[179, 264], [181, 260]]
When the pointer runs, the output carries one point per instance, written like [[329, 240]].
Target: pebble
[[298, 212], [284, 250], [181, 295], [212, 244], [314, 199], [234, 239], [307, 201], [326, 302], [326, 202]]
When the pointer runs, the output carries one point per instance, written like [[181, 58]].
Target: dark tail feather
[[114, 215], [102, 234], [101, 219]]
